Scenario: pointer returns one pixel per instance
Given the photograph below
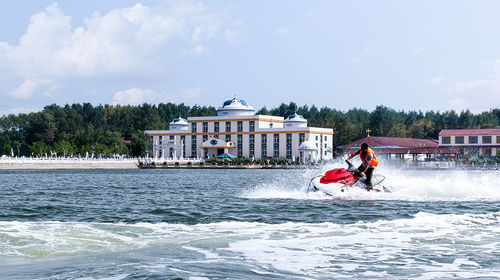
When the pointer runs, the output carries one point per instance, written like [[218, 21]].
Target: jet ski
[[340, 180]]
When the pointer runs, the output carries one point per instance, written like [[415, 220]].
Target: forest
[[78, 129]]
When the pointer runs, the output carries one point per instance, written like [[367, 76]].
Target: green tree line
[[79, 129]]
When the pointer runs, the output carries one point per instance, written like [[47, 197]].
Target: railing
[[5, 159]]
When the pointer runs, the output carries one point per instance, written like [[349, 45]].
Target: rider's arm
[[351, 156], [366, 168], [368, 159]]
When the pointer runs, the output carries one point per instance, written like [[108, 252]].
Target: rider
[[368, 163]]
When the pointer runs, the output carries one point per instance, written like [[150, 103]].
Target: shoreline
[[136, 163]]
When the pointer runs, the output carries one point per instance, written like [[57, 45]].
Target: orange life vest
[[373, 162]]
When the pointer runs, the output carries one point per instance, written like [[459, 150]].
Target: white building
[[472, 141], [237, 130]]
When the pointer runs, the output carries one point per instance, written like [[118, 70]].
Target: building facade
[[237, 130], [472, 141]]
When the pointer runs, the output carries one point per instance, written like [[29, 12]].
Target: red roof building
[[394, 145], [472, 141]]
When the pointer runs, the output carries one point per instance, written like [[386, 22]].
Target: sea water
[[247, 224]]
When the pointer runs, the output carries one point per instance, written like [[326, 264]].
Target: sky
[[408, 55]]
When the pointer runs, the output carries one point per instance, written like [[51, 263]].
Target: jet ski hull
[[338, 181]]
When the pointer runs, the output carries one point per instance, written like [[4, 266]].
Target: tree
[[422, 128], [7, 150], [101, 149], [39, 148], [140, 144], [64, 148], [17, 144]]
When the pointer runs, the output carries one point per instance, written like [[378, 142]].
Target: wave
[[405, 184], [425, 242]]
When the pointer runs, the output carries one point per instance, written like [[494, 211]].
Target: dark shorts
[[368, 173]]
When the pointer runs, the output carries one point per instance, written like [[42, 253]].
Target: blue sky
[[410, 55]]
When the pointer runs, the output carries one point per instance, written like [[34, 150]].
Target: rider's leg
[[369, 175]]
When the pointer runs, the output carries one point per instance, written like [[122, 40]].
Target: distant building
[[401, 146], [472, 141], [237, 130]]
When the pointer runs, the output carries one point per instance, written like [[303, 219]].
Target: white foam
[[317, 249], [405, 184]]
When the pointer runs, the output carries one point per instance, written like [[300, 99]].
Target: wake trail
[[405, 184]]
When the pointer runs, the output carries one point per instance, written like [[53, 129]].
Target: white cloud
[[356, 60], [476, 95], [437, 80], [417, 52], [137, 96], [282, 31], [358, 56], [121, 43], [18, 110], [236, 33]]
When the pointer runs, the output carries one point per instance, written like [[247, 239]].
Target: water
[[246, 224]]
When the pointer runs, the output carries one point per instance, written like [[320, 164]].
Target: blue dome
[[235, 107], [235, 100], [179, 120], [295, 117]]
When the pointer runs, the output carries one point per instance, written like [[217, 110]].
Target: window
[[289, 146], [228, 138], [172, 137], [276, 145], [326, 138], [193, 144], [316, 137], [240, 126], [276, 153], [302, 138], [459, 139], [240, 145], [216, 126], [193, 127], [498, 139], [205, 127], [228, 126], [252, 145], [321, 146], [183, 143], [446, 140], [486, 139], [252, 125], [472, 139], [264, 145], [205, 138]]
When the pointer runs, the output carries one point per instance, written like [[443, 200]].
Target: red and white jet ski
[[340, 180]]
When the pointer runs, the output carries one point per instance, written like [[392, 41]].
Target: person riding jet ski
[[368, 163]]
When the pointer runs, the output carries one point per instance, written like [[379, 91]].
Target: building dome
[[179, 124], [295, 120], [235, 107], [308, 146]]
